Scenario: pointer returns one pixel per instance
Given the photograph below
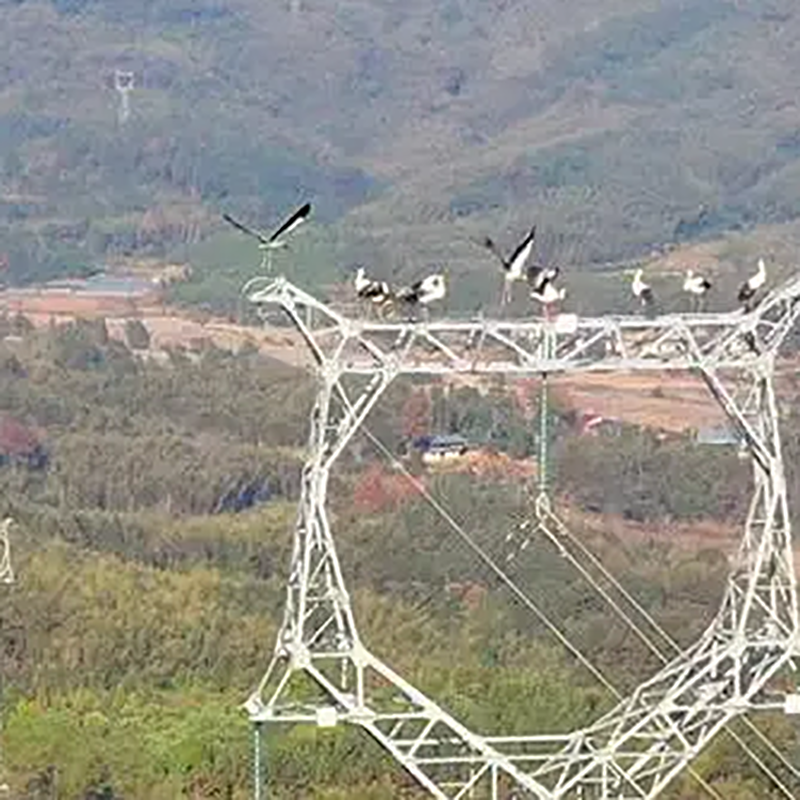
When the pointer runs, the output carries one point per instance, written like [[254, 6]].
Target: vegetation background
[[619, 126], [147, 601]]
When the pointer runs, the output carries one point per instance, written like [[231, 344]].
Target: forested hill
[[620, 123], [153, 504]]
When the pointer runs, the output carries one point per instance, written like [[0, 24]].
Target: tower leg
[[258, 770], [322, 673]]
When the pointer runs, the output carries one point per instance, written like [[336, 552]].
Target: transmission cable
[[513, 587], [565, 531], [654, 649], [543, 510], [493, 565]]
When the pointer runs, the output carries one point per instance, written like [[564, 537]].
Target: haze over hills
[[618, 124]]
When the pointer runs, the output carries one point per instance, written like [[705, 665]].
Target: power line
[[565, 531], [514, 588]]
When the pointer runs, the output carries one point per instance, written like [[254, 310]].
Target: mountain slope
[[620, 123]]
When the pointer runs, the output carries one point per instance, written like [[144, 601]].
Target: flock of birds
[[698, 286], [540, 279]]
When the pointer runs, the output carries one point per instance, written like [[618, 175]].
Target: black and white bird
[[379, 293], [641, 290], [749, 288], [423, 292], [539, 276], [516, 268], [696, 285], [547, 295], [275, 240]]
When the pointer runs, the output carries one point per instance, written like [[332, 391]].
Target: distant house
[[591, 424], [717, 435], [437, 449], [19, 445]]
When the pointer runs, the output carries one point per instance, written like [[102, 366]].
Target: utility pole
[[123, 83], [258, 771], [7, 578]]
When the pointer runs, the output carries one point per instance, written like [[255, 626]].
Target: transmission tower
[[637, 748], [123, 83]]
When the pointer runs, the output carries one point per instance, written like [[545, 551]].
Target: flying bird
[[274, 241], [377, 292], [749, 288], [641, 290], [423, 292], [516, 267], [696, 285]]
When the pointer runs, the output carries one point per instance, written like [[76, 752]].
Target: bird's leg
[[502, 298], [508, 295]]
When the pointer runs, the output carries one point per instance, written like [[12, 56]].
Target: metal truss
[[6, 570], [322, 672]]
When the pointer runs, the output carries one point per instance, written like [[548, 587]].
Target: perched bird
[[749, 288], [696, 285], [515, 267], [377, 292], [274, 241], [538, 276], [641, 290], [547, 295], [424, 292]]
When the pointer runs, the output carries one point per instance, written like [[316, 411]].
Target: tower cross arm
[[566, 343]]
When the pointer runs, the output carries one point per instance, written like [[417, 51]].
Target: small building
[[443, 448], [718, 436]]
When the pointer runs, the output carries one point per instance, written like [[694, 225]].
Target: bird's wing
[[489, 244], [403, 293], [551, 273], [745, 292], [292, 222], [409, 292], [533, 273], [244, 229], [524, 248]]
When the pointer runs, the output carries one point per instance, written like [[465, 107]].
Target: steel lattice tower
[[637, 748]]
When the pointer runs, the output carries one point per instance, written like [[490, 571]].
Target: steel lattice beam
[[636, 749]]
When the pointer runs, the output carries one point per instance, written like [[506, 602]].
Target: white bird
[[377, 292], [548, 294], [696, 285], [641, 290], [423, 292], [748, 289], [274, 241], [538, 276]]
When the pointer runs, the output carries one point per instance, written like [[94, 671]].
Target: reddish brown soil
[[671, 402]]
